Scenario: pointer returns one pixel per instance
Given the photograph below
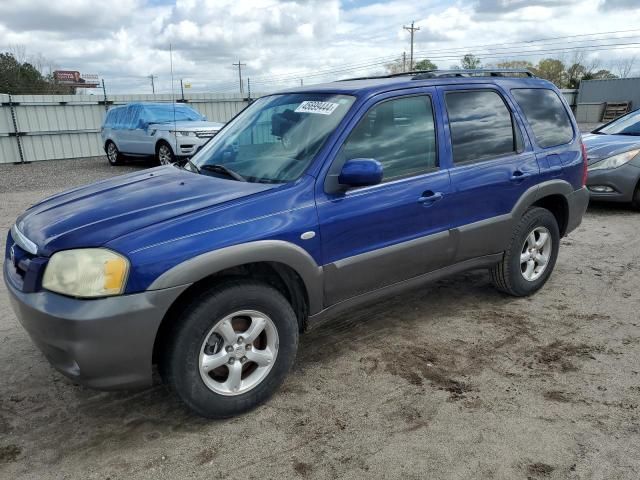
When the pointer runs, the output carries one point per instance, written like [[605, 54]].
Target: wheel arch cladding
[[281, 264], [277, 275], [551, 195]]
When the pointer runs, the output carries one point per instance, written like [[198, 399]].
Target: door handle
[[429, 197], [519, 176]]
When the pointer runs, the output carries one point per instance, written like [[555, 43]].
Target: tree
[[516, 64], [17, 75], [470, 62], [624, 67], [599, 75], [425, 64], [553, 70], [397, 66], [575, 73]]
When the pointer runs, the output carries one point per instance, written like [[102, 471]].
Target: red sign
[[73, 78]]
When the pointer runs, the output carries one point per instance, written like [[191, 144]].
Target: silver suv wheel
[[535, 253], [112, 153], [165, 155], [238, 352]]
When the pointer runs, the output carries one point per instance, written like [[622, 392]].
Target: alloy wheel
[[535, 253], [112, 153], [238, 353], [165, 155]]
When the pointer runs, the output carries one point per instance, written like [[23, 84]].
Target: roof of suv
[[374, 85]]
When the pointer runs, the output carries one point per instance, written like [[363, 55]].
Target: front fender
[[279, 251]]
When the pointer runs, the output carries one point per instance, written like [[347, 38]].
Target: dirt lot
[[451, 381]]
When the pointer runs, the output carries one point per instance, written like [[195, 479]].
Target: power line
[[465, 49]]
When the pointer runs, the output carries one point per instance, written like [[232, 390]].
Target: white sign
[[323, 108]]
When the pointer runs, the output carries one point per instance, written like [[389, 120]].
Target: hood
[[93, 215], [603, 146], [187, 125]]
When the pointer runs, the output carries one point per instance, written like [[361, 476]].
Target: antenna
[[173, 100]]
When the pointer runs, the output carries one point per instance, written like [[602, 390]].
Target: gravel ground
[[451, 381]]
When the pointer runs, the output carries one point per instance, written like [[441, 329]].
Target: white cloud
[[127, 40]]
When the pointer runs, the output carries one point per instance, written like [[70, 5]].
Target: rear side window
[[399, 133], [481, 126], [546, 114]]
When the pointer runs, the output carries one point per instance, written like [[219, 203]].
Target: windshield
[[628, 124], [275, 139]]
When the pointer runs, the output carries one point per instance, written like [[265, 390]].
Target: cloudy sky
[[281, 42]]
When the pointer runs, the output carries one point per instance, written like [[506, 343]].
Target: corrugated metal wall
[[613, 90], [593, 94], [68, 126]]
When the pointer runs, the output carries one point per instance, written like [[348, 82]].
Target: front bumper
[[622, 180], [104, 343], [578, 201], [189, 146]]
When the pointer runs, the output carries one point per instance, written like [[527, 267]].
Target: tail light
[[584, 163]]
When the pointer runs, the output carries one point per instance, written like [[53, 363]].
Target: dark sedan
[[613, 152]]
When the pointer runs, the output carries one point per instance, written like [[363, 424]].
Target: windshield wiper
[[193, 166], [217, 168]]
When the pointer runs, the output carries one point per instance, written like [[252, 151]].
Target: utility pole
[[249, 89], [104, 92], [301, 83], [182, 90], [404, 62], [240, 65], [411, 30], [153, 85]]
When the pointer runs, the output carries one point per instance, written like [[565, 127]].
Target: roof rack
[[481, 72], [424, 74]]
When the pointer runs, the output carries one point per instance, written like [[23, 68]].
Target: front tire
[[530, 256], [164, 154], [113, 154], [230, 348], [635, 203]]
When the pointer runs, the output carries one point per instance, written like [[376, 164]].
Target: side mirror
[[360, 172]]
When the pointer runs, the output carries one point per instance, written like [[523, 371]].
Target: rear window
[[546, 114], [481, 126]]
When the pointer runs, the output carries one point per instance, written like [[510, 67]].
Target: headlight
[[179, 133], [86, 272], [615, 161]]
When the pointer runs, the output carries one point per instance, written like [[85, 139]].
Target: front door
[[379, 235]]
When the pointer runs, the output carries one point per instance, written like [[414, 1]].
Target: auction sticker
[[323, 108]]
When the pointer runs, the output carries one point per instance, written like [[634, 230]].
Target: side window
[[399, 133], [481, 126], [546, 114]]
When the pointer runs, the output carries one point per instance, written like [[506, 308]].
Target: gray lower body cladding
[[623, 180], [104, 343]]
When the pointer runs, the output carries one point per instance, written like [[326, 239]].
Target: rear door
[[551, 129], [382, 234], [492, 165]]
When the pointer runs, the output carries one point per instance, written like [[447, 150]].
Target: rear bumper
[[622, 180], [578, 201], [103, 343]]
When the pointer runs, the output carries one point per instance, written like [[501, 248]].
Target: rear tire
[[214, 360], [530, 256], [113, 154], [164, 154]]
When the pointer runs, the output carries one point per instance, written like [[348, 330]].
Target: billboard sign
[[74, 78]]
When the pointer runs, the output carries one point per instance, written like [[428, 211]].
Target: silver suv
[[165, 130]]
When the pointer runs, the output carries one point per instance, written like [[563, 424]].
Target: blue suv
[[307, 203]]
